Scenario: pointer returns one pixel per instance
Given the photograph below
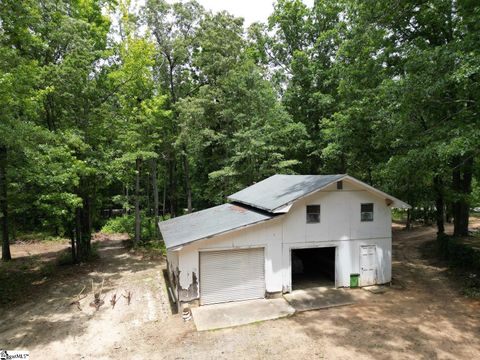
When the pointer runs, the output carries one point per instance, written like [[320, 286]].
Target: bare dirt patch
[[423, 316]]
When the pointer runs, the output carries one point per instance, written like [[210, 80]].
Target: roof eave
[[394, 202], [175, 247], [287, 205]]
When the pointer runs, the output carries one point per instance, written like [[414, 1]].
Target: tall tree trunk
[[127, 199], [439, 204], [188, 186], [155, 197], [4, 204], [86, 226], [172, 178], [78, 236], [164, 196], [408, 224], [73, 248], [462, 187], [137, 201], [83, 224], [449, 213]]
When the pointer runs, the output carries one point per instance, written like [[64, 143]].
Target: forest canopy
[[108, 109]]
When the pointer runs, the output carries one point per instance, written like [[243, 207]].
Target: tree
[[139, 110], [174, 27]]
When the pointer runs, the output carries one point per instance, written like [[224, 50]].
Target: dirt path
[[50, 325], [423, 317]]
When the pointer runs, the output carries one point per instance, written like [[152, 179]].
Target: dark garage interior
[[313, 267]]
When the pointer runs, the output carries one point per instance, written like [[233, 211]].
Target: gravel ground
[[423, 316]]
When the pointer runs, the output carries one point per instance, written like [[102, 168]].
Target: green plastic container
[[354, 280]]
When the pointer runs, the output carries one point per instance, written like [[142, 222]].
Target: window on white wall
[[313, 214], [366, 212]]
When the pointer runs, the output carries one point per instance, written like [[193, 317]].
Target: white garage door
[[232, 275]]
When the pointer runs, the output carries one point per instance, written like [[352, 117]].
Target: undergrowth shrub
[[458, 254], [126, 224], [465, 262]]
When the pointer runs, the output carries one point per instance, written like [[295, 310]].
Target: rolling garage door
[[231, 275]]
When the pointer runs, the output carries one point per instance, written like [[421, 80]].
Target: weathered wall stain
[[190, 293]]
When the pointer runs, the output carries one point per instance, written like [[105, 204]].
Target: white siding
[[339, 226], [232, 275], [267, 235], [172, 262]]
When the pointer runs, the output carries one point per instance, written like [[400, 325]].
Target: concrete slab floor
[[321, 298], [219, 316]]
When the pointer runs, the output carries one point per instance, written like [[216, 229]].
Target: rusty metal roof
[[280, 190], [203, 224]]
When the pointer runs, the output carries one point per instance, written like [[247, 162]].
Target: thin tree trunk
[[408, 225], [83, 224], [449, 213], [173, 187], [73, 247], [137, 201], [6, 255], [164, 200], [155, 197], [439, 204], [188, 187], [86, 226], [462, 186], [78, 235], [127, 199]]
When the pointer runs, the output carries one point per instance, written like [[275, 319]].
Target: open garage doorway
[[313, 267]]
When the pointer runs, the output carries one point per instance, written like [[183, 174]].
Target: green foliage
[[65, 257], [459, 254], [175, 107], [464, 259], [151, 248], [126, 224], [121, 224]]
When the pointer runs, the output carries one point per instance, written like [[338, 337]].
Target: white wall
[[267, 235], [172, 261], [339, 226]]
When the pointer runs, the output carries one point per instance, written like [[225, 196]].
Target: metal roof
[[209, 222], [280, 190]]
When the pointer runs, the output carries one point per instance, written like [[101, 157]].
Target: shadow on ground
[[43, 313]]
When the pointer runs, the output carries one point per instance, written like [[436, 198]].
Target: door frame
[[312, 247], [375, 279], [264, 247]]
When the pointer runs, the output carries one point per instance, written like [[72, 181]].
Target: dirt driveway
[[424, 317]]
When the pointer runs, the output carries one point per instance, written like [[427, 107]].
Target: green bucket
[[354, 280]]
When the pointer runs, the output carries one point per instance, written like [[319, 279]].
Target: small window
[[313, 214], [366, 212], [339, 185]]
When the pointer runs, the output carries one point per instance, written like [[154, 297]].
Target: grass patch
[[399, 215], [153, 248], [126, 224], [32, 237], [65, 258]]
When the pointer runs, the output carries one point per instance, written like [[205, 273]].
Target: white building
[[283, 233]]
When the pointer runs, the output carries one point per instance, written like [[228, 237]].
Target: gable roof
[[280, 190], [275, 193], [260, 202], [206, 223]]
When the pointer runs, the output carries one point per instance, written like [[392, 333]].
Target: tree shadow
[[424, 318], [44, 313]]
